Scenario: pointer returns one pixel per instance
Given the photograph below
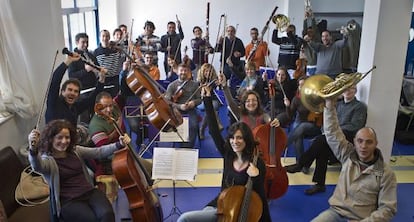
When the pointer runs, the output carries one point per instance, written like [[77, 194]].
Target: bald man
[[367, 187]]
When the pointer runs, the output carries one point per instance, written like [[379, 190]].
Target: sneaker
[[293, 168], [315, 189]]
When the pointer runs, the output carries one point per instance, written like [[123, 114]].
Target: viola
[[273, 141], [240, 203], [133, 178]]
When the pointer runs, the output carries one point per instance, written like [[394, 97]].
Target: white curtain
[[16, 91]]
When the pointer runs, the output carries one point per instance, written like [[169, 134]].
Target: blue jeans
[[329, 215], [207, 214], [297, 135]]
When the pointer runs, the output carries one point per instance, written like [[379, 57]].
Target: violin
[[131, 175], [273, 141], [179, 92], [240, 203]]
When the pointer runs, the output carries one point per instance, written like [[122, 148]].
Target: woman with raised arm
[[250, 110], [53, 153], [237, 151]]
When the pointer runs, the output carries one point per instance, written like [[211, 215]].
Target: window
[[80, 16]]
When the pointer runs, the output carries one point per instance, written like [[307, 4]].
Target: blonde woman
[[206, 74]]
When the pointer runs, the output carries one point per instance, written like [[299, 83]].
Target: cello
[[131, 175], [276, 179], [159, 112], [240, 203]]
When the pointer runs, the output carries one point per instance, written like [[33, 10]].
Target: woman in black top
[[237, 151]]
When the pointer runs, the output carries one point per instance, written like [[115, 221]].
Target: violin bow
[[42, 108]]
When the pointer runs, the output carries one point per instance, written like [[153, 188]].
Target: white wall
[[40, 25], [247, 14]]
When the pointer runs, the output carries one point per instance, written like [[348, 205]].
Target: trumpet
[[281, 21]]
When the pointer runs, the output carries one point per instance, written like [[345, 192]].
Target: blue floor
[[293, 206]]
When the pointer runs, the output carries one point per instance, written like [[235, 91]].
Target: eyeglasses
[[148, 57]]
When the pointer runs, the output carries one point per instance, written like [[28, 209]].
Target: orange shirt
[[260, 54], [154, 72]]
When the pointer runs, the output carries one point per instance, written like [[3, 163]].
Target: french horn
[[319, 87], [281, 21]]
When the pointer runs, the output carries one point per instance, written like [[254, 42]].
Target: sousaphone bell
[[319, 87]]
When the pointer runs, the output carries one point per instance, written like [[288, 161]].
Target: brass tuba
[[319, 87], [281, 21]]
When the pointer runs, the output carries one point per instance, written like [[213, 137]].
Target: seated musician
[[237, 151], [173, 70], [152, 69], [184, 95], [285, 88], [303, 127], [250, 111], [102, 130], [352, 115], [205, 75], [54, 154], [367, 187], [251, 82]]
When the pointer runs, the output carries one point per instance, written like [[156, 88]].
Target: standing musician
[[111, 59], [256, 50], [234, 50], [184, 95], [289, 47], [201, 47], [171, 43], [85, 73], [148, 42], [65, 104], [54, 154], [237, 151]]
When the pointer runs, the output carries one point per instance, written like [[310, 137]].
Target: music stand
[[176, 165]]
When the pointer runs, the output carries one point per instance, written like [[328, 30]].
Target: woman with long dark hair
[[237, 151], [53, 153]]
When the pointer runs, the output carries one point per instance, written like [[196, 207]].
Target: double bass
[[273, 141], [126, 165], [131, 175]]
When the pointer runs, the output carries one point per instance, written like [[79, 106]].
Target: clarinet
[[207, 44]]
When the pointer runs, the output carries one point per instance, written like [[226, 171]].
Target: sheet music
[[173, 137], [175, 163]]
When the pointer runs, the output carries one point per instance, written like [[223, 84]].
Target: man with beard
[[184, 95], [256, 50], [66, 104], [329, 54]]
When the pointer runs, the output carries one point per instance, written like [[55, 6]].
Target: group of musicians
[[366, 190]]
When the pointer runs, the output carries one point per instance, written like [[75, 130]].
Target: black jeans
[[319, 150]]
